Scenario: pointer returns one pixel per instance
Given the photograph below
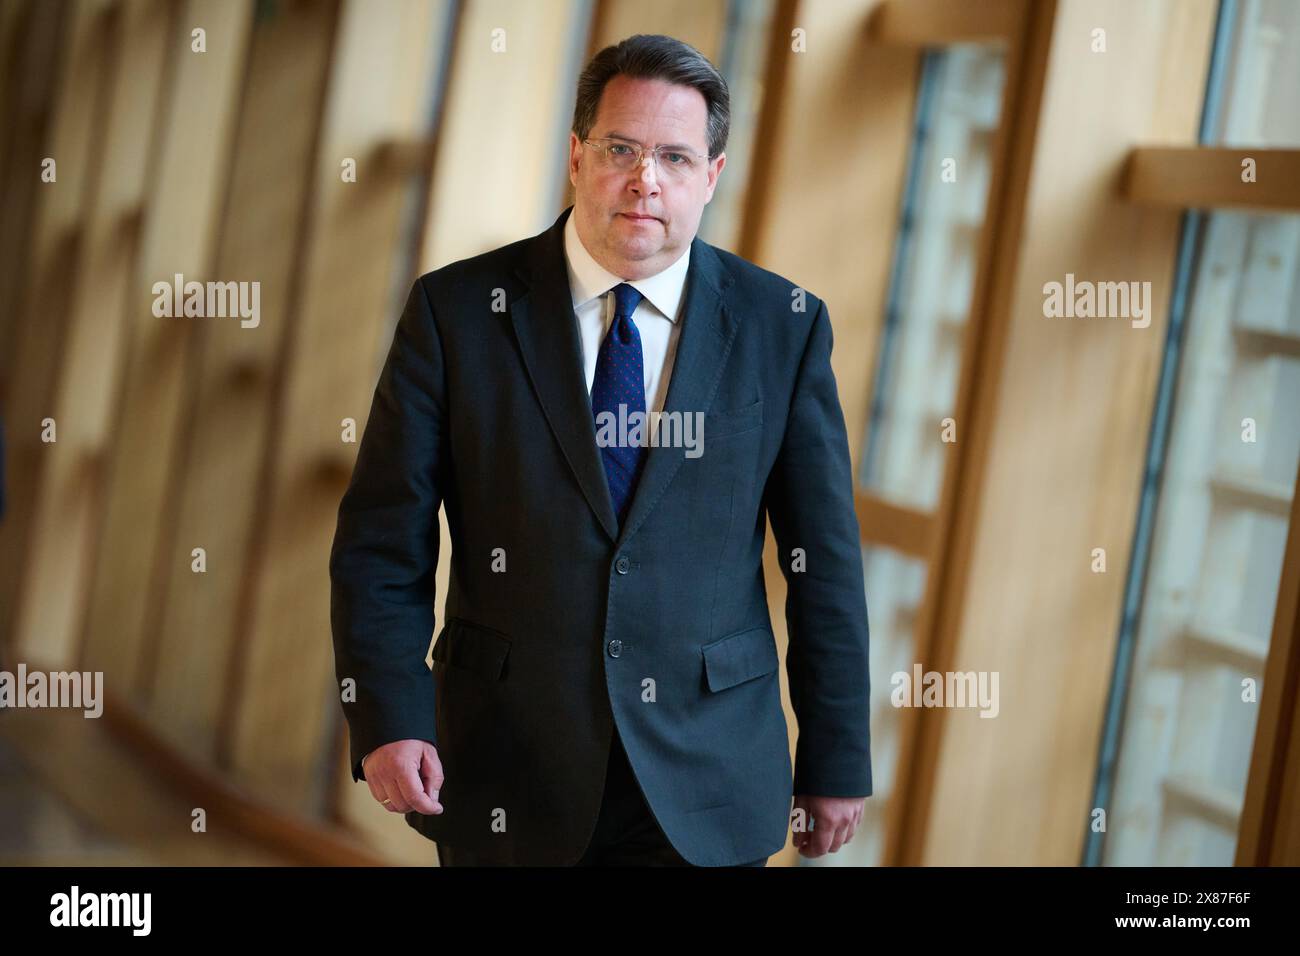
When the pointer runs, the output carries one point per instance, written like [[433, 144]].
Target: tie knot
[[626, 299]]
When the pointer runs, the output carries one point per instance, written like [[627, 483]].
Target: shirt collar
[[589, 279]]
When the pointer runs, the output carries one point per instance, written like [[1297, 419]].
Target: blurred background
[[1101, 512]]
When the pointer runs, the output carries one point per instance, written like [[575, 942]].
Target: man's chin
[[635, 251]]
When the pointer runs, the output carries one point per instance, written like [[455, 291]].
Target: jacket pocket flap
[[473, 647], [739, 657], [718, 424]]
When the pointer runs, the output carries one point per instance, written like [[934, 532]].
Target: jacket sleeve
[[810, 503], [385, 552]]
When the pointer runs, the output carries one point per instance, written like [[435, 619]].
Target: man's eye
[[620, 149], [679, 159]]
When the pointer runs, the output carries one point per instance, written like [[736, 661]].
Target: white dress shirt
[[656, 316]]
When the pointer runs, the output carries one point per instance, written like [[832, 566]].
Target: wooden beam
[[930, 23], [1269, 833], [891, 525], [145, 792], [405, 155], [1211, 177]]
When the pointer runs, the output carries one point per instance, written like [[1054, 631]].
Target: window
[[1209, 551], [915, 387]]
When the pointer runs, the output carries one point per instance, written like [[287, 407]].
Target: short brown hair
[[655, 57]]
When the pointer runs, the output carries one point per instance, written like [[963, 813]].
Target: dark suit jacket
[[661, 626]]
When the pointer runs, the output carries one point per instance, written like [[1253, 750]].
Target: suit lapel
[[702, 348], [548, 340]]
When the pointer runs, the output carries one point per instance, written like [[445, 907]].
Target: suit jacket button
[[622, 564], [615, 648]]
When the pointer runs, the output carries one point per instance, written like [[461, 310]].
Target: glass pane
[[1216, 560], [934, 273], [895, 585], [743, 63], [1263, 76]]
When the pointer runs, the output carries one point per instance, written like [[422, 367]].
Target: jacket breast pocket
[[734, 421], [472, 647], [740, 657]]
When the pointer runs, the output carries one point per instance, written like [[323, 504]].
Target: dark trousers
[[626, 831]]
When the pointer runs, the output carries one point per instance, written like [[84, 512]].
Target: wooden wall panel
[[499, 148], [15, 32], [71, 480], [178, 235], [701, 23], [1060, 426], [286, 709], [215, 486], [74, 141], [31, 64]]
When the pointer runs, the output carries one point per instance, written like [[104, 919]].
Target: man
[[605, 688]]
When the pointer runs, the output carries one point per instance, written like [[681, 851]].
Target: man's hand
[[832, 821], [405, 773]]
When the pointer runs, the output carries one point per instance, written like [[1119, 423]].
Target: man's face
[[638, 222]]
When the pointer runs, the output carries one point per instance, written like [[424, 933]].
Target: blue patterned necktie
[[620, 380]]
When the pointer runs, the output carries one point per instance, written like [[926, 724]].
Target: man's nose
[[648, 181]]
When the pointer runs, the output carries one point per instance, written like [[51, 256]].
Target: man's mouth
[[639, 217]]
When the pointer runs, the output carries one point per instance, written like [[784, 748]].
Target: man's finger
[[376, 790], [822, 836], [412, 791], [841, 837], [397, 803], [431, 775]]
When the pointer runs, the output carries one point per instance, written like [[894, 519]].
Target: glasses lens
[[676, 164], [625, 157], [621, 155]]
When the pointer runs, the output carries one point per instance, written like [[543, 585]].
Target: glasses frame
[[603, 143]]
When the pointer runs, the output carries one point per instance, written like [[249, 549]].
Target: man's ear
[[575, 157], [714, 172]]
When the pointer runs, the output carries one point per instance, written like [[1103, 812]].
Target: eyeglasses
[[625, 157]]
